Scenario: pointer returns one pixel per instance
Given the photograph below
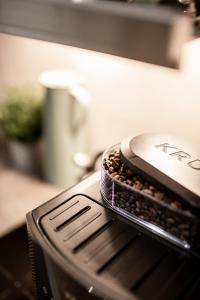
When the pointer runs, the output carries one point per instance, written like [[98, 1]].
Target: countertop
[[20, 194]]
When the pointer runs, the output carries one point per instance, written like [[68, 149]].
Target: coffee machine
[[83, 248], [80, 249]]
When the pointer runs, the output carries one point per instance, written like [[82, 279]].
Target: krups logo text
[[180, 155]]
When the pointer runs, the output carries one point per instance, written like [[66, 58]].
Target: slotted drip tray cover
[[117, 254]]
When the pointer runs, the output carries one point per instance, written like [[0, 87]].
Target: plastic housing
[[177, 225]]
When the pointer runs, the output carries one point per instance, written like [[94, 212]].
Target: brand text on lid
[[179, 154]]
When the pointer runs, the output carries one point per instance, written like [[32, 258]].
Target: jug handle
[[81, 98]]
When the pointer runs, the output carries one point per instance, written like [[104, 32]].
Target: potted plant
[[20, 121]]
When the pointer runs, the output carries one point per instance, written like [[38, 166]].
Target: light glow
[[190, 58], [60, 79], [81, 159]]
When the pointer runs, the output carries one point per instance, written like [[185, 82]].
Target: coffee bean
[[129, 172], [153, 211], [115, 165], [183, 226], [159, 195], [177, 204], [152, 188], [138, 185], [114, 174], [174, 205], [170, 221], [147, 191], [111, 170], [138, 204], [185, 233], [129, 182]]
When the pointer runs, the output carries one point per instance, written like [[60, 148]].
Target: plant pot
[[25, 157]]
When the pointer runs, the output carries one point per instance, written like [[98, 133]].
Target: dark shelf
[[143, 33]]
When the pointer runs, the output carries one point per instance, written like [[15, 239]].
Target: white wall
[[128, 97]]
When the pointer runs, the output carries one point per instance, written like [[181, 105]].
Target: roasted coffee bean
[[129, 172], [185, 233], [138, 204], [174, 205], [170, 221], [183, 226], [153, 211], [159, 195], [147, 191], [138, 185], [114, 174], [152, 188], [129, 182], [115, 165], [121, 179], [111, 170]]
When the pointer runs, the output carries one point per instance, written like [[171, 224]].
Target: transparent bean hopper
[[153, 180]]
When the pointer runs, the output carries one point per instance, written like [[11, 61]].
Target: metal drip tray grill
[[118, 256]]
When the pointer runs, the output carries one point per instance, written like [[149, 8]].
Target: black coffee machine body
[[82, 249]]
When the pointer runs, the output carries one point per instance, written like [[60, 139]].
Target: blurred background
[[55, 125], [126, 97]]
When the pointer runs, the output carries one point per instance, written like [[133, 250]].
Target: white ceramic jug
[[64, 126]]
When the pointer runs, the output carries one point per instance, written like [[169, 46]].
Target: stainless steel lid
[[171, 162]]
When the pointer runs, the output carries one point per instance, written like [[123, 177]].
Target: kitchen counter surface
[[20, 194]]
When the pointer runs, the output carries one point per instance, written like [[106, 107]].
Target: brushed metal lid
[[167, 160]]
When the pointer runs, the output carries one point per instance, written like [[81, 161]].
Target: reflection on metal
[[121, 29]]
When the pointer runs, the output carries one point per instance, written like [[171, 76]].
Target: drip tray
[[15, 273], [98, 243]]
